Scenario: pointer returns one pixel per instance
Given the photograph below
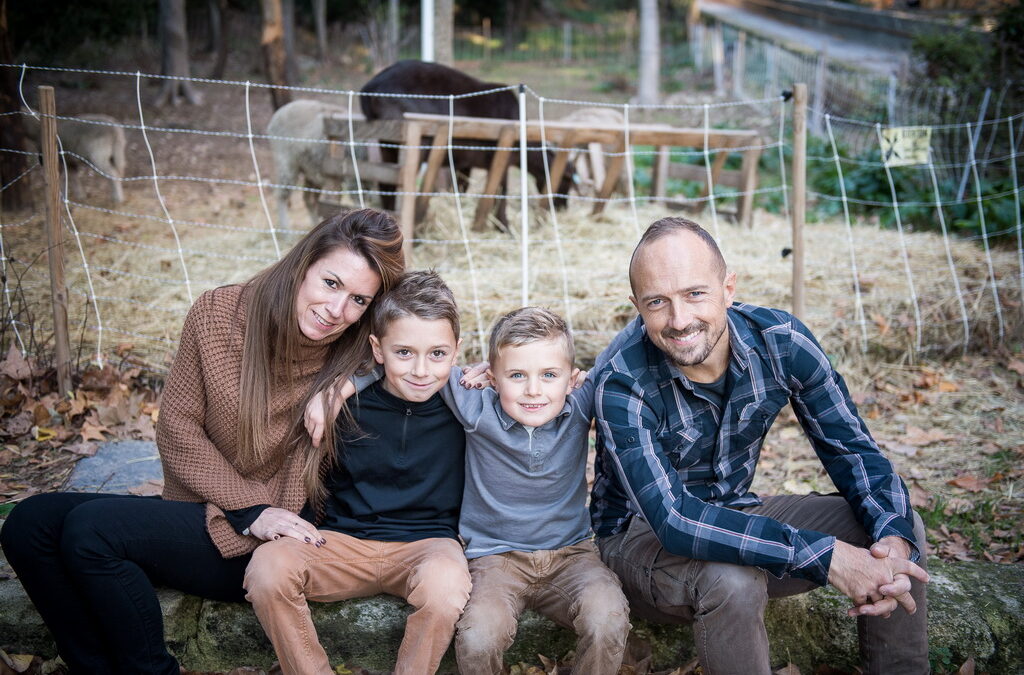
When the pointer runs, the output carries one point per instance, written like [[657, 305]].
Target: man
[[682, 411]]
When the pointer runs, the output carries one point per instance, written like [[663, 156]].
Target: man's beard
[[695, 353]]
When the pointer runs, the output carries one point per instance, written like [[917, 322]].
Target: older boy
[[391, 514], [524, 517]]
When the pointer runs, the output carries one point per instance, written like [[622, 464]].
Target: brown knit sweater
[[197, 432]]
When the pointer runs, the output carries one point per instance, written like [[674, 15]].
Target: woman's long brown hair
[[272, 335]]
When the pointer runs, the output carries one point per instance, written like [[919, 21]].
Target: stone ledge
[[975, 610]]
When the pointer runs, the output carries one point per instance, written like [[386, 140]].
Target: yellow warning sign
[[905, 146]]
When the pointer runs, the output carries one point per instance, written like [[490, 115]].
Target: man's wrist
[[900, 547]]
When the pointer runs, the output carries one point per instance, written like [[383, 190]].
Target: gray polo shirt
[[526, 487]]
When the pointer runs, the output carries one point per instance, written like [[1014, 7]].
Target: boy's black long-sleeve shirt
[[401, 479]]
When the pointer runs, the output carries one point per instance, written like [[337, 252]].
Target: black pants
[[89, 563]]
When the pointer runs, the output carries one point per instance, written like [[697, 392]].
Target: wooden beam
[[748, 171], [614, 169], [495, 175], [438, 154]]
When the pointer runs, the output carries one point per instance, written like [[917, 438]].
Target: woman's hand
[[578, 378], [275, 523], [313, 417], [475, 376]]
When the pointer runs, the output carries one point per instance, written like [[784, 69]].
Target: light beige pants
[[430, 574], [570, 586]]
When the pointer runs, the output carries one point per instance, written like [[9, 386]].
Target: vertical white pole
[[524, 216], [427, 30]]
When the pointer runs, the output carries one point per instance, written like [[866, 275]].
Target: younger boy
[[391, 514], [524, 516]]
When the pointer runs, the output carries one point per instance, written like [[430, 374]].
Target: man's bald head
[[668, 226]]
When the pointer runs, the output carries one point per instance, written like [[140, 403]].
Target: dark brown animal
[[422, 78]]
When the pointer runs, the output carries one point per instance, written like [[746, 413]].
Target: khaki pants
[[430, 574], [726, 603], [570, 586]]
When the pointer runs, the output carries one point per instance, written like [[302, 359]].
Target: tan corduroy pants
[[430, 574]]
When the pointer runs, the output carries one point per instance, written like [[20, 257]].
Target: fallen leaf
[[882, 323], [920, 437], [967, 668], [93, 432], [150, 488], [20, 424], [947, 387], [970, 482], [83, 448], [919, 497], [123, 348], [42, 434], [957, 505], [15, 366], [1015, 365], [100, 379]]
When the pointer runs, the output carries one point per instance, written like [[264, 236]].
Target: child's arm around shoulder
[[583, 395], [466, 400], [314, 417]]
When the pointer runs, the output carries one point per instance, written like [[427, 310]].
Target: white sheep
[[96, 140], [590, 163], [297, 142]]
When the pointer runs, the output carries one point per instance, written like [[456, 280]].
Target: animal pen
[[198, 205]]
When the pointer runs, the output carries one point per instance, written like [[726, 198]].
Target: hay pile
[[144, 299]]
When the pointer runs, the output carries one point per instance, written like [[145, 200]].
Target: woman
[[237, 463]]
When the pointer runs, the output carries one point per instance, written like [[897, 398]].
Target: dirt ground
[[954, 427]]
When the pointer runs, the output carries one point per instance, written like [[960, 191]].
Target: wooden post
[[718, 59], [55, 239], [659, 179], [487, 38], [799, 172], [695, 35], [739, 65], [407, 184]]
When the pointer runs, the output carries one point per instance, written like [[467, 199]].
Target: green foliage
[[954, 58], [52, 28], [865, 180]]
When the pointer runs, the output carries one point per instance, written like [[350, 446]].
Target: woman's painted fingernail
[[276, 537], [308, 540]]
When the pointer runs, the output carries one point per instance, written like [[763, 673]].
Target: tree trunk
[[320, 20], [443, 32], [174, 52], [219, 37], [392, 34], [12, 131], [648, 90], [274, 57], [288, 16]]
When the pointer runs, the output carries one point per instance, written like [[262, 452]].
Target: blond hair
[[527, 325]]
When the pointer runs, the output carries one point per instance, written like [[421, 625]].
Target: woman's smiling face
[[335, 292]]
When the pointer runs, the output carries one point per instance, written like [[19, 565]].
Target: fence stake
[[55, 239], [799, 194], [525, 214], [566, 42], [977, 136]]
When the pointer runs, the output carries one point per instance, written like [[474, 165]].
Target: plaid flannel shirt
[[684, 465]]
